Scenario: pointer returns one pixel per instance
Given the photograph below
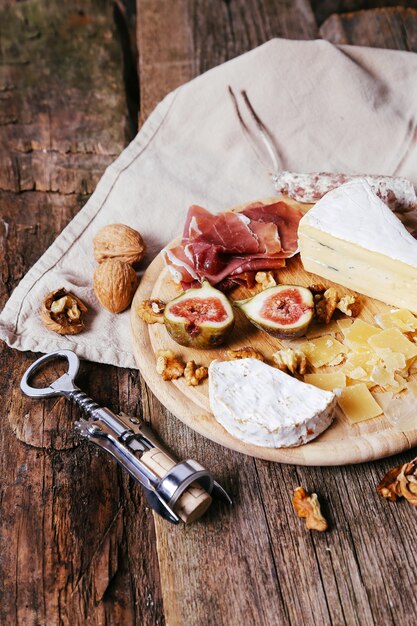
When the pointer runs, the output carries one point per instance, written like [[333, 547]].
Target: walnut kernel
[[194, 375], [244, 353], [349, 305], [151, 311], [308, 506], [266, 279], [325, 305], [317, 288], [288, 359], [400, 482], [168, 365], [63, 312]]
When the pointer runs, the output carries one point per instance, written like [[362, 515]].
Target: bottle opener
[[175, 490]]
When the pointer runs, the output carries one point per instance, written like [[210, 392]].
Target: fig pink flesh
[[285, 307], [199, 310]]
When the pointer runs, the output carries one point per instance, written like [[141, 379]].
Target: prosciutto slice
[[222, 247]]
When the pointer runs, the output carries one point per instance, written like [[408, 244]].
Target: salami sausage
[[398, 193]]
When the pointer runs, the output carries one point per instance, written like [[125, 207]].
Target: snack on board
[[223, 247], [327, 302], [195, 374], [261, 405], [245, 353], [352, 238], [338, 352], [284, 311], [63, 312], [265, 279], [151, 311], [169, 365], [202, 318], [290, 360], [397, 193]]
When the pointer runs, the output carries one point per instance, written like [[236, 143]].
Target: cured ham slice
[[222, 247], [228, 230], [285, 218]]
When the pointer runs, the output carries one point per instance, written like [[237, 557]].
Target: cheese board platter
[[348, 439]]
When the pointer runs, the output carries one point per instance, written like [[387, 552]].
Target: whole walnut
[[117, 241], [115, 284]]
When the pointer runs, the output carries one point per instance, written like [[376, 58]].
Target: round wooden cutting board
[[342, 443]]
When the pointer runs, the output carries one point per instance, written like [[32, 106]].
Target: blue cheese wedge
[[263, 406], [352, 238]]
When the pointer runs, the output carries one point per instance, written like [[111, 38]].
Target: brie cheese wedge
[[261, 405], [352, 238]]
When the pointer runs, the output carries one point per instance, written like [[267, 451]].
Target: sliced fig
[[284, 311], [200, 318]]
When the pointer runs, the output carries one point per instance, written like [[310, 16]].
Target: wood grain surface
[[342, 443], [77, 543], [372, 26]]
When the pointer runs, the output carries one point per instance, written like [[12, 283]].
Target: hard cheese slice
[[352, 238], [394, 340], [358, 404], [357, 335], [329, 382], [401, 319], [323, 351], [261, 405]]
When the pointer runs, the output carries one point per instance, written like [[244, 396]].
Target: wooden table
[[77, 543]]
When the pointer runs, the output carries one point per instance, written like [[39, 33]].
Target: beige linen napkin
[[346, 109]]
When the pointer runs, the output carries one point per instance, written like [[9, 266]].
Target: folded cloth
[[342, 109]]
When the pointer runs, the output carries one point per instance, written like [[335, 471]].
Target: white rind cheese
[[352, 238], [261, 405]]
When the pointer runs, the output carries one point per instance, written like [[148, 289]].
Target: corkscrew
[[175, 490]]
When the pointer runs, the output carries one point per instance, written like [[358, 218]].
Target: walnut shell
[[117, 241], [114, 284], [61, 322]]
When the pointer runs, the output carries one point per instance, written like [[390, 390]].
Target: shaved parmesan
[[402, 319], [328, 382], [323, 351], [393, 339], [358, 404], [357, 336]]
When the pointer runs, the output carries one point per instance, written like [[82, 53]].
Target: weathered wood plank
[[53, 97], [223, 30], [165, 50], [394, 28], [353, 568], [179, 40], [77, 542], [325, 8]]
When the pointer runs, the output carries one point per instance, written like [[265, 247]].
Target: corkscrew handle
[[61, 386]]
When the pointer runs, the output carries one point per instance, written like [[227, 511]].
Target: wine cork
[[195, 500]]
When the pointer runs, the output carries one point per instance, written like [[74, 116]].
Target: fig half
[[199, 318], [284, 311]]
